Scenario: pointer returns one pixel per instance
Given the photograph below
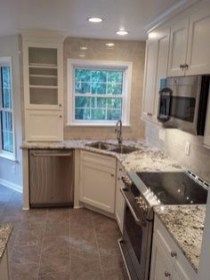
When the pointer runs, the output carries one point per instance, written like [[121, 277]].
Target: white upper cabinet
[[43, 86], [155, 69], [198, 58], [150, 78], [178, 47]]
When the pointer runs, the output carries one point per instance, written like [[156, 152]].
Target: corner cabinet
[[43, 86], [97, 181], [168, 261]]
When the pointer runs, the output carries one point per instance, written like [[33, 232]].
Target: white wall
[[10, 171]]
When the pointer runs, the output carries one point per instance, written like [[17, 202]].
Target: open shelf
[[43, 76], [42, 86], [46, 66]]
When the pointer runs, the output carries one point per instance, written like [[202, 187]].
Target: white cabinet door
[[198, 58], [97, 182], [44, 125], [161, 266], [179, 273], [119, 202], [150, 79], [178, 47], [162, 63]]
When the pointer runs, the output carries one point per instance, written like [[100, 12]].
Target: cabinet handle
[[173, 254], [186, 66], [167, 274], [60, 105], [60, 116], [149, 114], [112, 175], [181, 66]]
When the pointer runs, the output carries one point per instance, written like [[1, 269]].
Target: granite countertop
[[5, 231], [146, 158], [185, 223]]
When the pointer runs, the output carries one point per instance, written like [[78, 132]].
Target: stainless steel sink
[[120, 149]]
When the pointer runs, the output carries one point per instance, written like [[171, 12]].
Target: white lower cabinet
[[97, 181], [168, 261], [4, 269], [119, 201]]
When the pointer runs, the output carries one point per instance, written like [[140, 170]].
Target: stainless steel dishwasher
[[51, 178]]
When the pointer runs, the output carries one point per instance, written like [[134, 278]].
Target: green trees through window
[[98, 94]]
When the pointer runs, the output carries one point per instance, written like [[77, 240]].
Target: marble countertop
[[5, 231], [146, 158], [185, 223]]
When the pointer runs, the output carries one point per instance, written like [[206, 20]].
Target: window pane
[[115, 76], [82, 87], [98, 76], [6, 131], [98, 114], [6, 87], [113, 88], [98, 102], [82, 102], [114, 103], [114, 115], [98, 88], [82, 114], [82, 75]]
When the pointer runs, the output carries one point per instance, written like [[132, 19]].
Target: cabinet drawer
[[99, 159]]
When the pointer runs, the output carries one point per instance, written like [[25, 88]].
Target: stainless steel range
[[142, 192]]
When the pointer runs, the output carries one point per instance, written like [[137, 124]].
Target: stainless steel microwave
[[183, 103]]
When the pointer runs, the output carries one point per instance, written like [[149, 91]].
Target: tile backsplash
[[174, 141]]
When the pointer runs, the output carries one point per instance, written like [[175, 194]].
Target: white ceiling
[[71, 16]]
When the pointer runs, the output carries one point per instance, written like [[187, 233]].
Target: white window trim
[[127, 66], [4, 154]]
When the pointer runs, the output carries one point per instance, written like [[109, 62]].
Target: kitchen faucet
[[118, 131]]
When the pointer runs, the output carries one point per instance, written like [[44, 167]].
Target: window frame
[[126, 93], [7, 61]]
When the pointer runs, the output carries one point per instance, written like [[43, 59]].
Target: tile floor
[[60, 244]]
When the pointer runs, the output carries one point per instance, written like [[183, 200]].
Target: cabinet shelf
[[44, 87], [43, 76], [46, 66]]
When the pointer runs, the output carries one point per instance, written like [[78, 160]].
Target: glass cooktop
[[174, 187]]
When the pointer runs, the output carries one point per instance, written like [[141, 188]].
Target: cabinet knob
[[186, 66], [60, 116], [149, 114], [173, 254], [181, 66], [112, 175], [60, 105], [167, 274]]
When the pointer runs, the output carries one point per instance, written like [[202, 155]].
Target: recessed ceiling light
[[95, 19], [83, 48], [122, 32], [110, 45]]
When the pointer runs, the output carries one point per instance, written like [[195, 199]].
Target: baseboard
[[11, 185]]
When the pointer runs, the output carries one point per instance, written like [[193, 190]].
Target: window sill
[[77, 124], [8, 156]]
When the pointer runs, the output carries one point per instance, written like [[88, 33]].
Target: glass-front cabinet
[[43, 86]]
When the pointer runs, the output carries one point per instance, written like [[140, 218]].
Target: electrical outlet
[[187, 148], [162, 135]]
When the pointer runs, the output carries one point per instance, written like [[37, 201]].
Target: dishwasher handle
[[57, 154]]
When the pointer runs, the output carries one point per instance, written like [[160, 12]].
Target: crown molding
[[168, 14]]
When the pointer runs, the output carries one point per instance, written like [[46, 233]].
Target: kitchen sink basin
[[120, 149]]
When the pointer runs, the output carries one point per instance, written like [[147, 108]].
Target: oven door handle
[[130, 207]]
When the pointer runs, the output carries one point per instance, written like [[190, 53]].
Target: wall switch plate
[[187, 148], [162, 134]]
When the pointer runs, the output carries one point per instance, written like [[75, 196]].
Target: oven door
[[136, 243]]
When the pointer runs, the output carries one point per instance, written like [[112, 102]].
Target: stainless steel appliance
[[51, 178], [183, 103], [142, 192]]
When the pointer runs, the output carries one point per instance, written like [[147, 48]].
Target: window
[[6, 109], [98, 92]]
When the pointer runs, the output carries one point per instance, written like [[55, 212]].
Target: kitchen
[[104, 167]]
